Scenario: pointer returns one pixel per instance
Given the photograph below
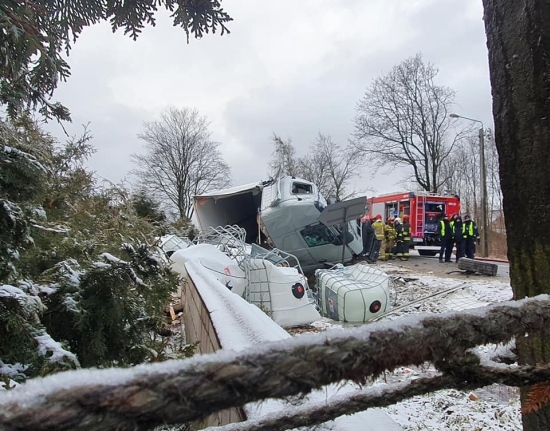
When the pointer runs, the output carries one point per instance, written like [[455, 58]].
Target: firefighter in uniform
[[389, 236], [398, 238], [378, 226], [406, 237]]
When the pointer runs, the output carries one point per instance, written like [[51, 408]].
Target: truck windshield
[[317, 234], [431, 223], [435, 207]]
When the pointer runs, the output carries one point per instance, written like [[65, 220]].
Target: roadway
[[431, 264]]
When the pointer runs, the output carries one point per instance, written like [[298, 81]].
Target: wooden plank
[[479, 266], [172, 314]]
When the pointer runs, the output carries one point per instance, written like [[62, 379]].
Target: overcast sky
[[291, 67]]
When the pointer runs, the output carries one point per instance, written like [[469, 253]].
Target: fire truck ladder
[[420, 210]]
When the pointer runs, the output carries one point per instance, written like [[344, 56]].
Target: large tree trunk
[[518, 38]]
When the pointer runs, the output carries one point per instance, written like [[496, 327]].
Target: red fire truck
[[424, 210]]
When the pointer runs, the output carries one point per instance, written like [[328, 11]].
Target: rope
[[183, 391], [359, 401]]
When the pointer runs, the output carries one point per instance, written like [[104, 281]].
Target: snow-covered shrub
[[80, 285]]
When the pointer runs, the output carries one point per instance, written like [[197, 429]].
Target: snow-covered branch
[[50, 229], [108, 257]]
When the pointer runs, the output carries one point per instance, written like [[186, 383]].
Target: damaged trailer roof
[[237, 190]]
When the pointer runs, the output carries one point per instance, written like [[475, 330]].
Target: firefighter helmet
[[406, 218], [389, 220], [397, 220], [378, 217]]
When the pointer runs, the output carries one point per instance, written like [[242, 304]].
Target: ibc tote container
[[353, 294]]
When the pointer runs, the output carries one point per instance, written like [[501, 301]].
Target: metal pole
[[483, 175], [483, 184]]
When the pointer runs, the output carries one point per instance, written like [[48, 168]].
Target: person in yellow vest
[[446, 237], [470, 234], [459, 238], [378, 226], [452, 225], [389, 236]]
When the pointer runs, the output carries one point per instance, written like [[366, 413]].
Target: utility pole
[[483, 184], [483, 175]]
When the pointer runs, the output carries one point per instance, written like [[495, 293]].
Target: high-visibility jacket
[[378, 226], [459, 233], [469, 229], [389, 232], [442, 227]]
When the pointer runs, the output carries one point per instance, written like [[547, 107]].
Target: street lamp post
[[483, 183]]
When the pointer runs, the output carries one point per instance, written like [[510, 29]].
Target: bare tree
[[180, 160], [283, 159], [327, 164], [330, 166], [402, 120], [461, 171]]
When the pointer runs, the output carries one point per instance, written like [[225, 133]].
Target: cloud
[[294, 68]]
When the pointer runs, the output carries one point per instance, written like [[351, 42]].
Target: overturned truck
[[282, 213]]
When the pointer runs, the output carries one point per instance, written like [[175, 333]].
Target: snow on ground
[[457, 410], [411, 286]]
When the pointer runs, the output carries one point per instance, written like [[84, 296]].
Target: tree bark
[[518, 38]]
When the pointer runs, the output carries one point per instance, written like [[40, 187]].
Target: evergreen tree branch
[[34, 34]]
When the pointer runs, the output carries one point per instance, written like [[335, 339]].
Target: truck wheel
[[427, 253]]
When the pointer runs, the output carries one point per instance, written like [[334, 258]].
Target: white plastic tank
[[281, 292], [353, 294]]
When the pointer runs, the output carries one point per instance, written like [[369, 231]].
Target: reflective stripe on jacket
[[399, 232], [406, 231], [389, 232]]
